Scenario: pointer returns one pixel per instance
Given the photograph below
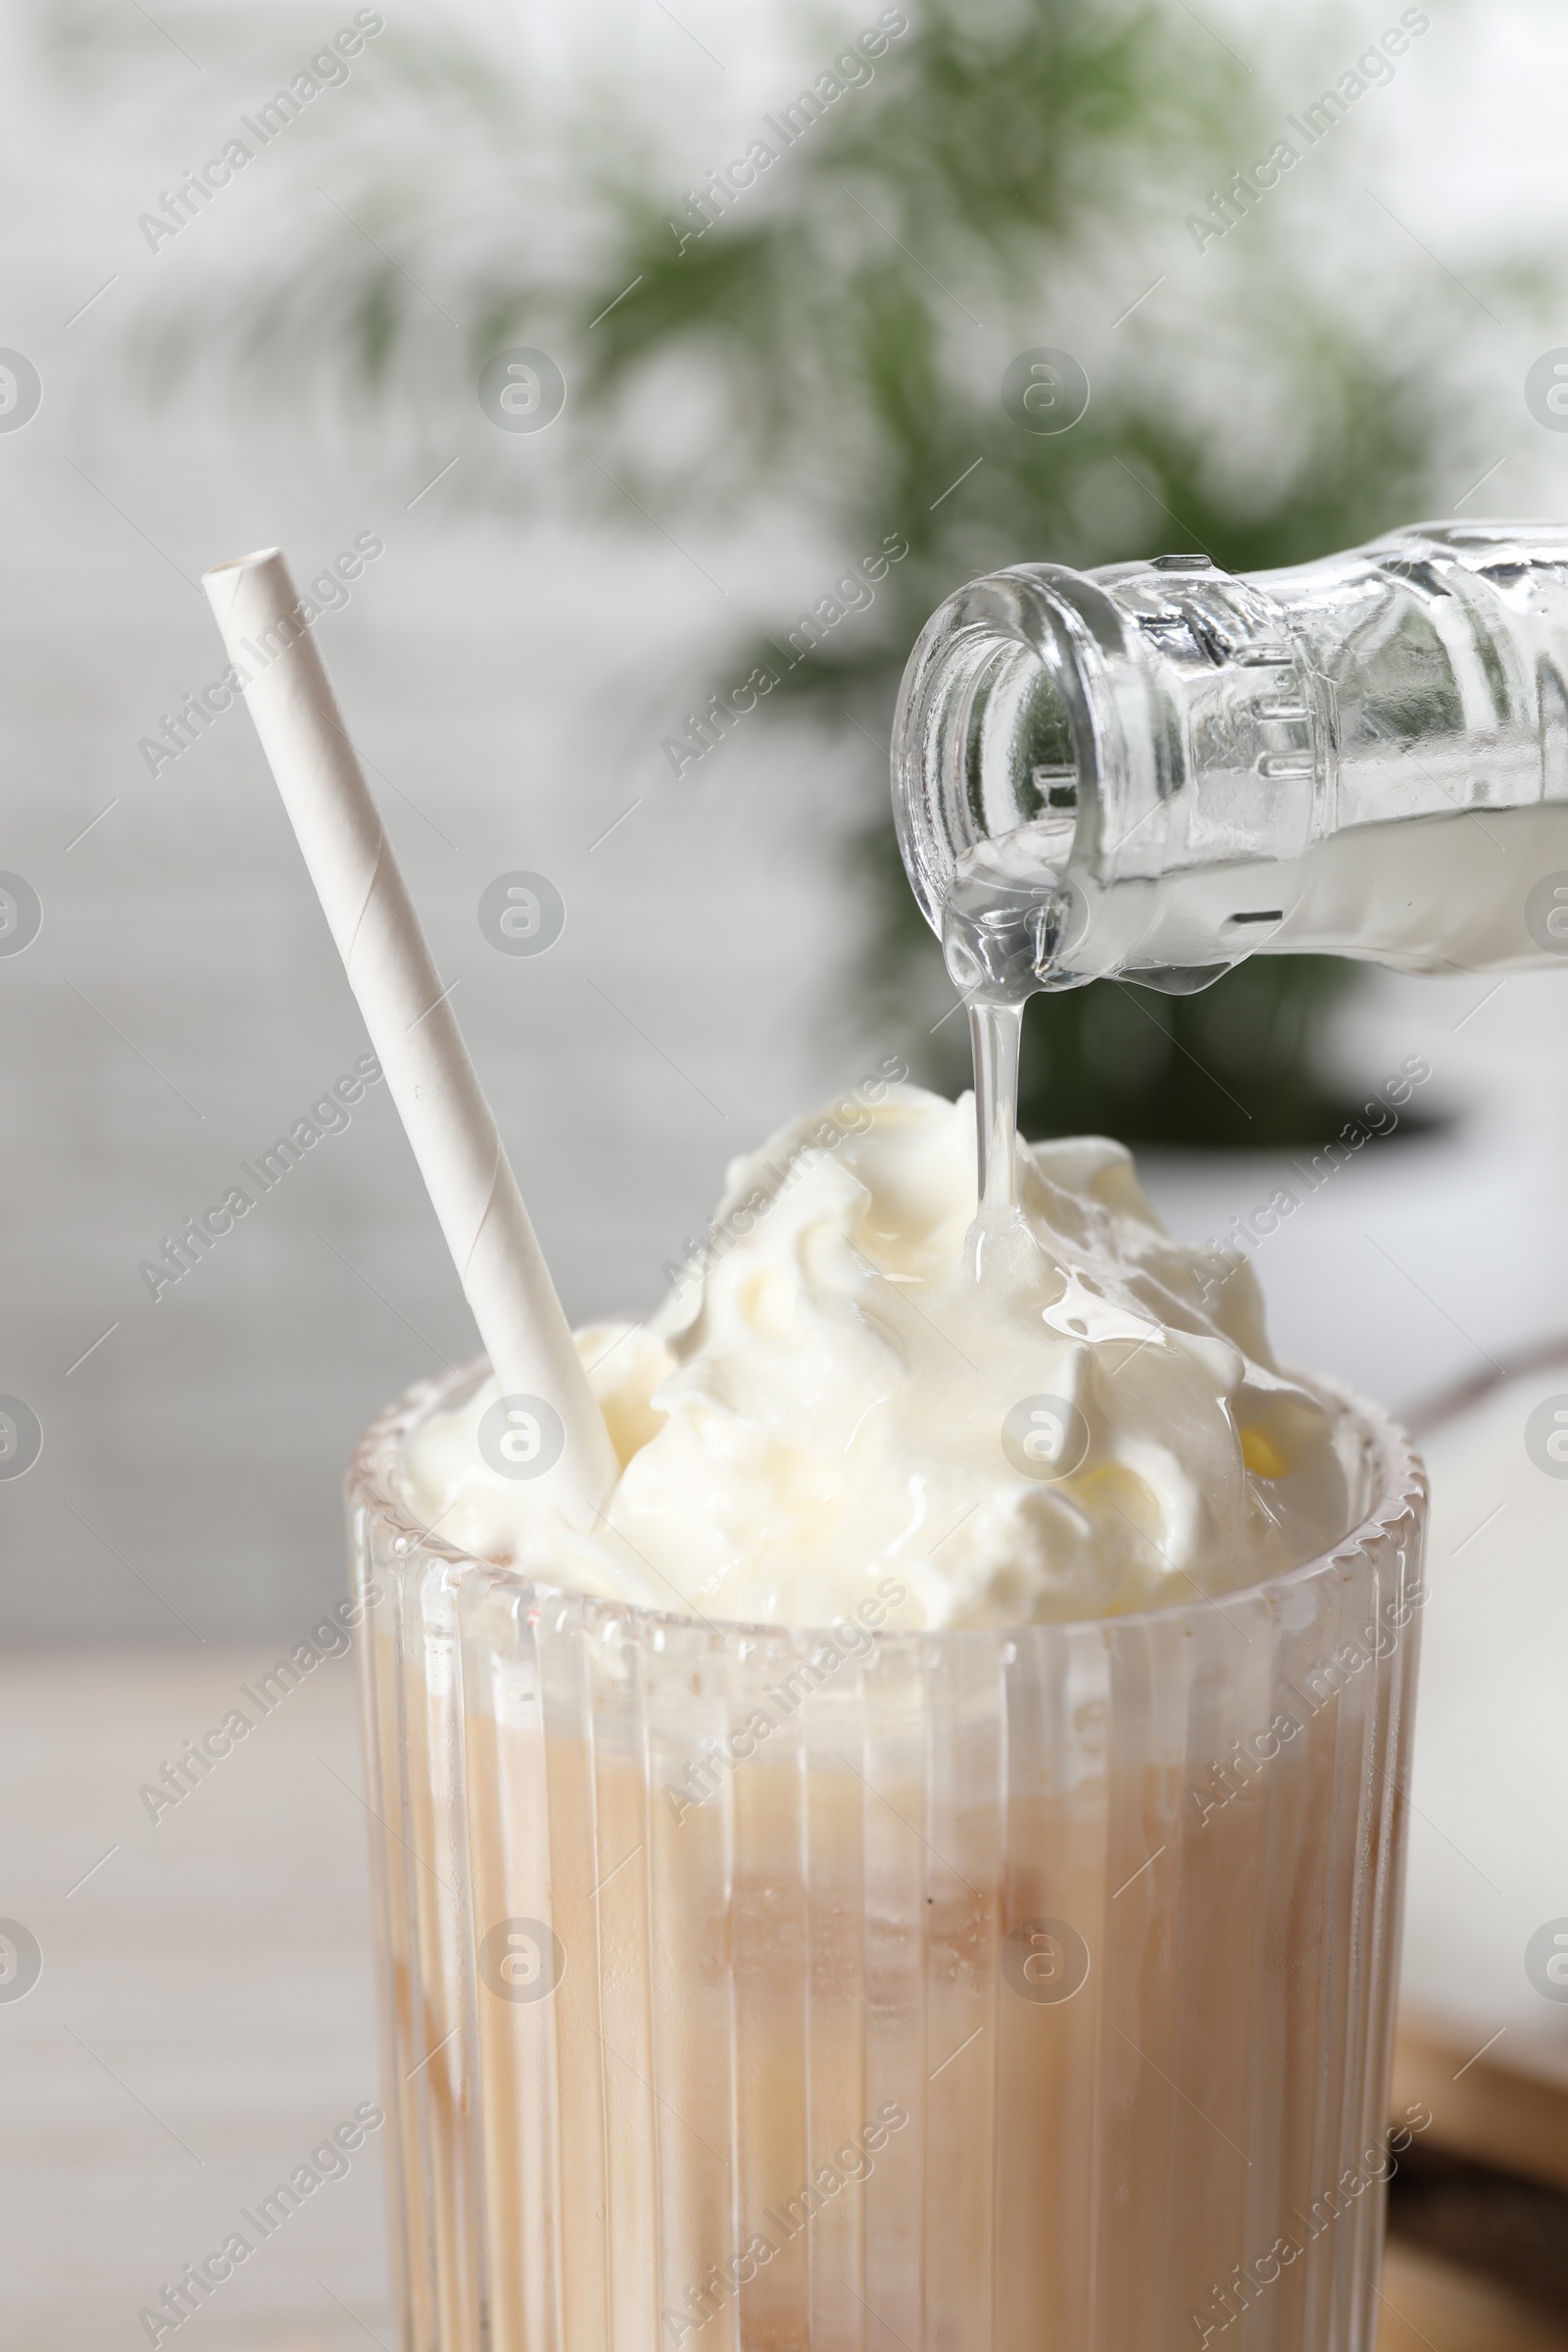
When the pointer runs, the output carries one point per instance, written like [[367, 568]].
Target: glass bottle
[[1153, 769]]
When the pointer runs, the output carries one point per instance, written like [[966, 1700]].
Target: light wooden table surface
[[205, 2013], [205, 2017]]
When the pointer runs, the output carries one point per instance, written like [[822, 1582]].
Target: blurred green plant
[[1013, 172]]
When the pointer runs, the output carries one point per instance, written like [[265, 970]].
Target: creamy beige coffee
[[984, 1945]]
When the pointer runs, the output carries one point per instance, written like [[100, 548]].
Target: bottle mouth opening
[[988, 770], [1021, 764]]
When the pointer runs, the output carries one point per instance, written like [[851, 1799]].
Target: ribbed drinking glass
[[768, 1990]]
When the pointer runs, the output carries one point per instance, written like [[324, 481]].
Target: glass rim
[[1400, 1494]]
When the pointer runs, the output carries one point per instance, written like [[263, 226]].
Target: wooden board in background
[[1498, 2108], [1433, 2306]]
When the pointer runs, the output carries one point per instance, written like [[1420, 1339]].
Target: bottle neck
[[1158, 769]]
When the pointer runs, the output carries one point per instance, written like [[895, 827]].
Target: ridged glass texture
[[1023, 1991]]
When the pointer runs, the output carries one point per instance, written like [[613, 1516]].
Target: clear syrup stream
[[994, 1031]]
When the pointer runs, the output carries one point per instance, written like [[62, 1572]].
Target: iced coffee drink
[[924, 1870]]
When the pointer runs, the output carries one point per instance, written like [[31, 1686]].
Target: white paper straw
[[412, 1025]]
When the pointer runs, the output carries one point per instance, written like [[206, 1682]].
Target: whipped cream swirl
[[833, 1407]]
